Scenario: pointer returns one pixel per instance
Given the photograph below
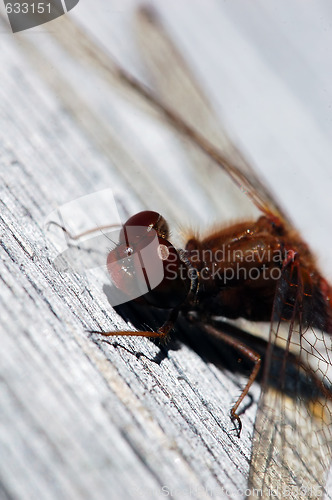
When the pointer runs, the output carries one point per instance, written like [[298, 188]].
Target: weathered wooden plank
[[85, 418]]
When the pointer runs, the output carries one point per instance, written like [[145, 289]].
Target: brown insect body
[[242, 283], [233, 272]]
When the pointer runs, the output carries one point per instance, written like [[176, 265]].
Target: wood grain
[[82, 417]]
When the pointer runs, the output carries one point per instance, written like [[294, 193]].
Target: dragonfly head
[[145, 265]]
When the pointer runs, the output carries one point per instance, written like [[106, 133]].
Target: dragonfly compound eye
[[144, 222], [145, 265]]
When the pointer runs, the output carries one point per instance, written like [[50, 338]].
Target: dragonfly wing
[[292, 443], [178, 90], [291, 453], [213, 141]]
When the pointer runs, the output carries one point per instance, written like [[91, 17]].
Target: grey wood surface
[[82, 417]]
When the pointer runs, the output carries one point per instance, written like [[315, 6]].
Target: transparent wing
[[292, 443], [177, 100], [232, 188], [176, 89]]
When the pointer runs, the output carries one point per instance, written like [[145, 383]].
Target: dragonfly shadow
[[144, 318], [297, 382], [211, 350]]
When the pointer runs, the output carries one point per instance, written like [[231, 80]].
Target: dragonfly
[[292, 441]]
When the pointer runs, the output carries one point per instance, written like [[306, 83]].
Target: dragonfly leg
[[246, 352], [84, 233], [161, 333]]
